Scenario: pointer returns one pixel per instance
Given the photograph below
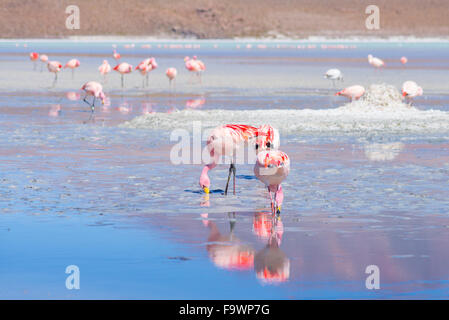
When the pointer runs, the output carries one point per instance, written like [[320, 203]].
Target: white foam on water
[[380, 109]]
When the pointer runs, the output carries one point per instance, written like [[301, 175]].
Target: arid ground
[[206, 19]]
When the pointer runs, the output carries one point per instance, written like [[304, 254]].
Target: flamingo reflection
[[271, 263], [227, 251]]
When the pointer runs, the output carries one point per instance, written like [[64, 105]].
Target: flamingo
[[104, 69], [375, 62], [267, 138], [123, 68], [144, 68], [93, 88], [352, 92], [333, 74], [55, 67], [33, 57], [116, 55], [192, 65], [411, 90], [225, 141], [44, 60], [271, 168], [201, 67], [72, 64], [171, 75], [404, 60]]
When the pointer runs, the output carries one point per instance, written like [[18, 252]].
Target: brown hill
[[223, 19]]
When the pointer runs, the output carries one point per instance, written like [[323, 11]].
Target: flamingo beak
[[404, 94], [206, 190], [278, 210], [102, 101]]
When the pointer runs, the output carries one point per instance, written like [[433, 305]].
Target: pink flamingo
[[271, 168], [72, 64], [375, 62], [104, 69], [267, 138], [33, 57], [352, 92], [44, 60], [55, 67], [116, 55], [192, 65], [93, 88], [225, 141], [123, 68], [171, 75], [411, 90], [404, 60], [144, 68]]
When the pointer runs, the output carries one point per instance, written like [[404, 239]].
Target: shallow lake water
[[367, 186]]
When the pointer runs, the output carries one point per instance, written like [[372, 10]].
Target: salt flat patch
[[380, 109]]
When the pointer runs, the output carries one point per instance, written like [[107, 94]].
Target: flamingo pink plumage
[[123, 68], [116, 55], [72, 64], [33, 57], [194, 65], [225, 141], [171, 75], [352, 92], [410, 90], [271, 168], [146, 66], [93, 88], [55, 67], [44, 60], [375, 62], [104, 69]]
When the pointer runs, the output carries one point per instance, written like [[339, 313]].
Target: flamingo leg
[[279, 198], [231, 169], [122, 82], [93, 104], [56, 79], [234, 170], [271, 201]]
